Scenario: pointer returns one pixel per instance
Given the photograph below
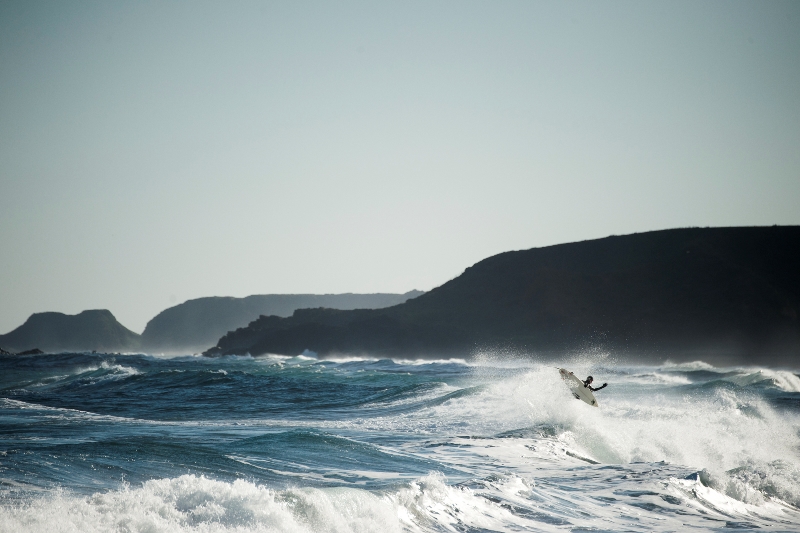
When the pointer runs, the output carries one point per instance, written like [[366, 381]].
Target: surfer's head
[[589, 379]]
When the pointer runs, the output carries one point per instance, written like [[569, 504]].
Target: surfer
[[588, 384]]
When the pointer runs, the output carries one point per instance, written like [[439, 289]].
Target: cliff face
[[56, 332], [197, 324], [727, 294]]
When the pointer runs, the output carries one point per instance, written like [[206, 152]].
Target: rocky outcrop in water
[[34, 351], [721, 294], [56, 332]]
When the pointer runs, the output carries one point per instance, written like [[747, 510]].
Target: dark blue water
[[96, 442]]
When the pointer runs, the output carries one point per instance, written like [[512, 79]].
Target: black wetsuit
[[586, 384]]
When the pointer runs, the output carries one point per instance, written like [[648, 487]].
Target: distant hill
[[56, 332], [197, 324], [722, 294]]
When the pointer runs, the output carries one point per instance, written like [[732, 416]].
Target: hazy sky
[[153, 152]]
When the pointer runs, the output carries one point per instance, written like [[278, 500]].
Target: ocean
[[138, 443]]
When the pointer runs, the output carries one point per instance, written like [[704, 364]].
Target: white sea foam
[[503, 502], [717, 430], [197, 504]]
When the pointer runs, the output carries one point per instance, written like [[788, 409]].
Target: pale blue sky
[[152, 152]]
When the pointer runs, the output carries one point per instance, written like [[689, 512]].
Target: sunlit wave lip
[[422, 362], [66, 412], [19, 487], [781, 379], [342, 359], [94, 373], [46, 382], [172, 356], [118, 369], [306, 358], [305, 474], [660, 378], [744, 378], [310, 357], [355, 477], [220, 358], [692, 365]]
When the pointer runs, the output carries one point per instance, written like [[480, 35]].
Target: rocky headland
[[197, 324], [721, 294]]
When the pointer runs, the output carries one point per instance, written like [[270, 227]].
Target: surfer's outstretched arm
[[603, 386]]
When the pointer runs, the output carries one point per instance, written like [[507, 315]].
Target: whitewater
[[138, 443]]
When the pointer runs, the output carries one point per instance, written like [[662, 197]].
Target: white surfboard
[[576, 387]]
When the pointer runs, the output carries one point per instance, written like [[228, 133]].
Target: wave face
[[94, 442]]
